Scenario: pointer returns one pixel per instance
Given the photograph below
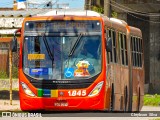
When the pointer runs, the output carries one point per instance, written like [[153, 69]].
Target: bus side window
[[137, 54], [112, 56], [114, 46], [134, 51], [109, 55], [132, 47], [140, 51], [123, 49], [109, 33], [136, 47]]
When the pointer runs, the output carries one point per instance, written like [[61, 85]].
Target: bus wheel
[[125, 98], [139, 98], [112, 98]]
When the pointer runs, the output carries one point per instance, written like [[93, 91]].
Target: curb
[[5, 105]]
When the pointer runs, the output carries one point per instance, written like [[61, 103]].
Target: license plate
[[61, 104]]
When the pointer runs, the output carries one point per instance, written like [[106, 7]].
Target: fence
[[4, 61]]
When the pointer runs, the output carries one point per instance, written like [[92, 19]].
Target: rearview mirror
[[109, 44], [14, 44], [14, 41]]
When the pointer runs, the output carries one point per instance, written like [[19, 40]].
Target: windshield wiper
[[48, 49], [75, 46]]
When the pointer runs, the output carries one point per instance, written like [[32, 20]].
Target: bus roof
[[118, 21], [135, 31], [70, 12]]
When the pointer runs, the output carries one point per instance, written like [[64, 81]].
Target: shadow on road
[[84, 114], [4, 95], [78, 111]]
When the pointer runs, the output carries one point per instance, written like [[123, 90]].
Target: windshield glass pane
[[48, 57]]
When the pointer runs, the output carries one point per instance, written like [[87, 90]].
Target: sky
[[72, 3]]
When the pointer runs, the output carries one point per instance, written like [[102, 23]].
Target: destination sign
[[63, 26]]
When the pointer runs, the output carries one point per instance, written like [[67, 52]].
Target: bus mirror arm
[[14, 41], [109, 44]]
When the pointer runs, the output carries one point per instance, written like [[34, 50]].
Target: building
[[10, 20], [144, 14]]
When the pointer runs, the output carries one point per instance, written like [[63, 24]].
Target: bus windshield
[[47, 57]]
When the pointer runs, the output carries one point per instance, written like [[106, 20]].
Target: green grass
[[152, 100], [155, 119], [3, 75], [14, 72]]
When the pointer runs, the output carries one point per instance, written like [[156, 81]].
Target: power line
[[44, 6], [136, 11], [143, 19], [38, 4], [128, 12]]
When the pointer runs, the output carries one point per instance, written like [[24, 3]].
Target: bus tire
[[125, 98], [139, 98], [112, 98]]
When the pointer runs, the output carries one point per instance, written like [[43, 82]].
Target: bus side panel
[[136, 78], [134, 88], [124, 85], [141, 86], [113, 76], [107, 100], [108, 91], [117, 86]]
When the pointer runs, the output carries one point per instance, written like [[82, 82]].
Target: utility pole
[[88, 4], [107, 8], [14, 5], [10, 72]]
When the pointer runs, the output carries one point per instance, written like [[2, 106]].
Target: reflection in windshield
[[85, 61], [49, 50], [75, 45]]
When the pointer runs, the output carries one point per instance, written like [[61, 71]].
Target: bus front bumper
[[58, 104]]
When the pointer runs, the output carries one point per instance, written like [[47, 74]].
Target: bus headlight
[[27, 90], [96, 89]]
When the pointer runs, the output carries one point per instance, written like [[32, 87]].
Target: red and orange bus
[[83, 61]]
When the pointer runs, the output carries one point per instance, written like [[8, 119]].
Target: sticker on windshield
[[36, 56], [82, 69], [69, 72], [38, 71]]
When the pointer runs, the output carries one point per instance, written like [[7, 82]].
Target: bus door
[[113, 72]]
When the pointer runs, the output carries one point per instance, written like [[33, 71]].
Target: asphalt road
[[147, 113]]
